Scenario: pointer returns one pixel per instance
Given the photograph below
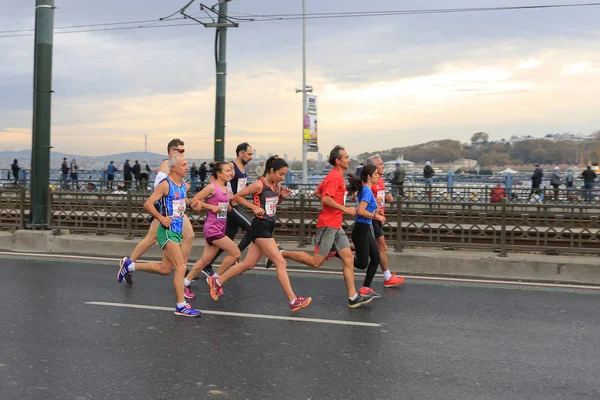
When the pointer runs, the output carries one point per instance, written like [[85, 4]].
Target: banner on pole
[[311, 132]]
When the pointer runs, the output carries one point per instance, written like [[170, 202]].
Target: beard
[[245, 162]]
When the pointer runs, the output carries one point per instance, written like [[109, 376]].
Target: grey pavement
[[436, 340]]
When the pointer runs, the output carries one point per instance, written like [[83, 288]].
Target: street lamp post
[[305, 89]]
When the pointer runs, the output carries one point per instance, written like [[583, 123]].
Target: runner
[[214, 198], [237, 218], [389, 279], [171, 192], [174, 147], [367, 213], [267, 193], [330, 234]]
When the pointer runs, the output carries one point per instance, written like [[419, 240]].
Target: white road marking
[[243, 315], [335, 273]]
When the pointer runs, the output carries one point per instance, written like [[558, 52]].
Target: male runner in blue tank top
[[237, 218], [175, 146], [171, 192]]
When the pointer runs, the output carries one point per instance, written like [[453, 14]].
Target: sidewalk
[[414, 261]]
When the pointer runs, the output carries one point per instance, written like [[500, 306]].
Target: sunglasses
[[180, 151]]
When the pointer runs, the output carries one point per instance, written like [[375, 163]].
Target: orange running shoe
[[215, 288], [393, 281], [300, 303]]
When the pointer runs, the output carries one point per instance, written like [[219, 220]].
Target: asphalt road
[[424, 340]]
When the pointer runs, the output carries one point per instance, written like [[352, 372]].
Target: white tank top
[[159, 178]]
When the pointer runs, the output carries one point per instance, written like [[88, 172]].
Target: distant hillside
[[24, 157]]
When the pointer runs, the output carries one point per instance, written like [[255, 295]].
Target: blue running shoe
[[124, 270], [187, 311]]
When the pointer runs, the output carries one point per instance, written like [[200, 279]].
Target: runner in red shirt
[[389, 279], [330, 234]]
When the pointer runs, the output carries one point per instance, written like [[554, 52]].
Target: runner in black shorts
[[267, 194]]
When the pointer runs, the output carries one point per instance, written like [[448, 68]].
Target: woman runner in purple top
[[214, 198]]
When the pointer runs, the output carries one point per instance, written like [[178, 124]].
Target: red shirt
[[379, 193], [334, 186]]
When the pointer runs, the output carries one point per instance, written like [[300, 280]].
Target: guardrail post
[[22, 198], [129, 217], [503, 230], [399, 248], [302, 233]]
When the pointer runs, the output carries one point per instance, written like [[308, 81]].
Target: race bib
[[271, 206], [242, 183], [381, 196], [223, 213], [178, 208]]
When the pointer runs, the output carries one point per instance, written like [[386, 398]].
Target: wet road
[[424, 340]]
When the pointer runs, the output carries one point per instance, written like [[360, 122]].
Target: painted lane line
[[315, 271], [243, 315]]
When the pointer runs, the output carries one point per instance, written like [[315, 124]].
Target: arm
[[164, 167], [239, 197], [362, 210], [161, 190], [317, 193], [198, 203], [330, 202]]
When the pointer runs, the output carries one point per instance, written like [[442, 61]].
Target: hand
[[349, 210], [380, 218], [166, 222], [187, 185], [197, 206], [379, 200], [285, 193], [258, 211], [215, 209]]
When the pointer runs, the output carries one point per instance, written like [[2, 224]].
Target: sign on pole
[[310, 124]]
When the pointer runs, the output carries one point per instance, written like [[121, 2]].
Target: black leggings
[[365, 247], [237, 219]]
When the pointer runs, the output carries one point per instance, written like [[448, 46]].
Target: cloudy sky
[[382, 82]]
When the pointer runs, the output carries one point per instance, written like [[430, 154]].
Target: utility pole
[[305, 89], [221, 61], [42, 98]]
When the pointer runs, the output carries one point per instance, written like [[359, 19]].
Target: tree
[[480, 137]]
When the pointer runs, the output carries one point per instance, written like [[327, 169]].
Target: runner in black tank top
[[267, 194]]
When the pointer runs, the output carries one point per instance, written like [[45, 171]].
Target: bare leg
[[233, 254], [146, 242], [207, 256], [173, 253], [348, 260], [315, 260], [270, 249], [254, 254], [187, 238], [163, 268]]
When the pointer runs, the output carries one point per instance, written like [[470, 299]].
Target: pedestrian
[[398, 180], [64, 169], [127, 174], [267, 193], [202, 172], [330, 236], [570, 184], [260, 169], [137, 173], [174, 147], [194, 176], [73, 174], [15, 170], [428, 173], [589, 177], [366, 249], [171, 192], [214, 198], [536, 181], [110, 175], [144, 176], [555, 181]]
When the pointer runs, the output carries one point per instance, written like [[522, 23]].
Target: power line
[[295, 16]]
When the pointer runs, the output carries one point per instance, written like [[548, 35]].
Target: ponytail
[[274, 163]]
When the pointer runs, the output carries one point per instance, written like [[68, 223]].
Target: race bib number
[[381, 197], [271, 206], [242, 183], [178, 208], [222, 215]]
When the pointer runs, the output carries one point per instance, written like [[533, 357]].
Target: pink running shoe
[[187, 293]]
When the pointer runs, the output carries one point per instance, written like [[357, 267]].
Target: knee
[[281, 265], [165, 269], [237, 254], [316, 262], [181, 268]]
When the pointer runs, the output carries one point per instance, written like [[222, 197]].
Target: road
[[69, 331]]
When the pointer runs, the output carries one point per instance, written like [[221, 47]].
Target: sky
[[382, 82]]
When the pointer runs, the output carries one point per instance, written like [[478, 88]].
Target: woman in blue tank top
[[267, 194]]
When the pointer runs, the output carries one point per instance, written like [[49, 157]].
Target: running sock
[[216, 275], [387, 275], [181, 305], [187, 282], [218, 283], [131, 267], [293, 301], [354, 297]]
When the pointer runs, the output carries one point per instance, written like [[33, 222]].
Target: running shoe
[[300, 303], [361, 300], [187, 311], [269, 263], [187, 293], [208, 271], [365, 291], [215, 288], [123, 269], [393, 281], [129, 278]]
